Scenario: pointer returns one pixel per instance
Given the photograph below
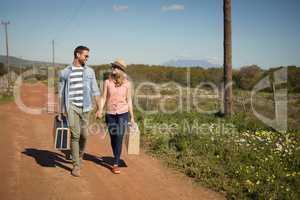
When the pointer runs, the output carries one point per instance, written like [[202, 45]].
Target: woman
[[117, 96]]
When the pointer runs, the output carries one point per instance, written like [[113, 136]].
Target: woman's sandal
[[116, 170]]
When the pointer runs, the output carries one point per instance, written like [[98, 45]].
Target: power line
[[64, 27], [69, 20]]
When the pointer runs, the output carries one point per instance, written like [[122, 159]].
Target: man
[[77, 87]]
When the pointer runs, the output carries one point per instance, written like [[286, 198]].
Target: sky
[[264, 32]]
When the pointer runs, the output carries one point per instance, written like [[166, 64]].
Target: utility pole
[[51, 76], [6, 38], [227, 58], [53, 55]]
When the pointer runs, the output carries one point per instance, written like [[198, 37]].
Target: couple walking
[[78, 87]]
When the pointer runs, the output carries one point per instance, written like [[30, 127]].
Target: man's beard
[[82, 63]]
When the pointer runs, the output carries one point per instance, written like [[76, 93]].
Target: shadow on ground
[[47, 158], [105, 161]]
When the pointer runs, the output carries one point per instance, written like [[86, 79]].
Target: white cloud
[[120, 8], [214, 60], [172, 7]]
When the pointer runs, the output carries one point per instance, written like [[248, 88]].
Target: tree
[[249, 76], [227, 58], [3, 70]]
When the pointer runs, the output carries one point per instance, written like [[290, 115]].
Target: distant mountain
[[191, 63], [19, 62]]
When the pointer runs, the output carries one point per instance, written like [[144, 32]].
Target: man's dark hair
[[79, 49]]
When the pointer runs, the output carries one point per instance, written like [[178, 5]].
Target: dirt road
[[31, 169]]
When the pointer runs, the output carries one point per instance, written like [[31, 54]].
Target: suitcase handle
[[62, 121]]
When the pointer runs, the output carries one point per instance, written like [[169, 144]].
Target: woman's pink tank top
[[117, 98]]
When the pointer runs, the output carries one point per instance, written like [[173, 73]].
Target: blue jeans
[[117, 125]]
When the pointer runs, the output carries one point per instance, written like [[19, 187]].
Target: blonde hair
[[118, 78]]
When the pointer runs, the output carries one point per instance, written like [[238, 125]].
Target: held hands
[[98, 114]]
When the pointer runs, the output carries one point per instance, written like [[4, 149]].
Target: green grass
[[244, 158], [5, 99], [239, 155]]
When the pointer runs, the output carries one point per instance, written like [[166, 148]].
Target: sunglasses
[[116, 67]]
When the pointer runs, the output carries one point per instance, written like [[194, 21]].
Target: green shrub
[[248, 161]]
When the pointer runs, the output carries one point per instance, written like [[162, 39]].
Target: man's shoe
[[76, 171]]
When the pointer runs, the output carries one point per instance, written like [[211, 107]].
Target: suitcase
[[132, 139], [61, 134]]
